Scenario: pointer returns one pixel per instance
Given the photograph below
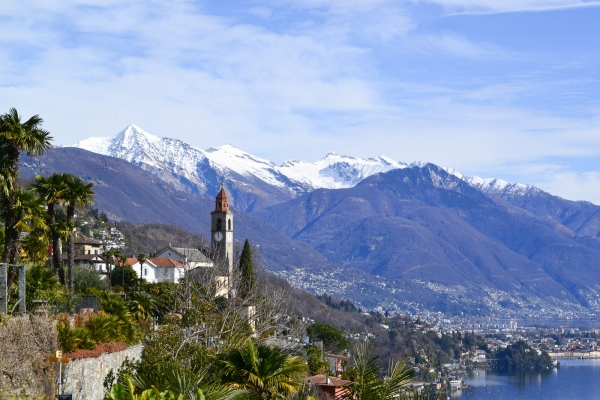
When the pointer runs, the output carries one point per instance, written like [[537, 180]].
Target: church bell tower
[[222, 231]]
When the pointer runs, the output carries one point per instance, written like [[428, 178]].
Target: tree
[[266, 371], [29, 214], [42, 284], [123, 275], [78, 193], [53, 190], [246, 271], [142, 258], [88, 279], [330, 335], [316, 361], [369, 384], [112, 257], [16, 137]]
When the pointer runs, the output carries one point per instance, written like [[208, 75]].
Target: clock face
[[218, 236]]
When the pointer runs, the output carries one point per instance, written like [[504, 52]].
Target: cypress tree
[[247, 271]]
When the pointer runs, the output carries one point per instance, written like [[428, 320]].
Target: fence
[[4, 289]]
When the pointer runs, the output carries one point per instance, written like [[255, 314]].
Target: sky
[[493, 88]]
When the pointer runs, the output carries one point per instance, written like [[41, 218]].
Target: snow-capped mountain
[[195, 170], [495, 186], [254, 181]]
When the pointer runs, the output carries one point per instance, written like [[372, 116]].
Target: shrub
[[72, 338], [41, 283], [88, 278], [106, 328], [97, 352], [25, 340]]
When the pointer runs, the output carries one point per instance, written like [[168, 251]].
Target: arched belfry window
[[229, 224], [218, 224]]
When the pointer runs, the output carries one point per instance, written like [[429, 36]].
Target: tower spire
[[222, 200]]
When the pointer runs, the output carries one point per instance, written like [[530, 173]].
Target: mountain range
[[378, 231], [255, 182]]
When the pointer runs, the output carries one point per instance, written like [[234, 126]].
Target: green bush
[[115, 306], [42, 284], [106, 328], [87, 278], [73, 338]]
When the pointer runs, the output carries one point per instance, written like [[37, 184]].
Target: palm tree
[[142, 258], [16, 137], [191, 385], [111, 258], [369, 384], [265, 371], [122, 260], [53, 190], [29, 213], [78, 193]]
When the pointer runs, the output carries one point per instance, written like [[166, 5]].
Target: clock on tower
[[222, 231]]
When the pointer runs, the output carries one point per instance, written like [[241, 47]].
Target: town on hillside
[[87, 311]]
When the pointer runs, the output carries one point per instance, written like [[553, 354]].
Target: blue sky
[[495, 88]]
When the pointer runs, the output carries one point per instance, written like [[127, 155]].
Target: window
[[229, 224], [145, 271], [95, 251], [218, 224]]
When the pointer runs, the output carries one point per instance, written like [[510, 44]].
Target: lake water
[[575, 379]]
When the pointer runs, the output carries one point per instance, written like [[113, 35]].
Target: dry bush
[[25, 341]]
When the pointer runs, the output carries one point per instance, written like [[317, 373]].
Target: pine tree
[[247, 271]]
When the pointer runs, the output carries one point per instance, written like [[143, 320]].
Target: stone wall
[[84, 378]]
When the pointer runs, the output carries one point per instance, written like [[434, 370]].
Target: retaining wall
[[84, 378]]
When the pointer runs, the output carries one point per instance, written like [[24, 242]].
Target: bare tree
[[211, 314]]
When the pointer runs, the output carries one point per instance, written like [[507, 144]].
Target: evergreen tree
[[247, 271]]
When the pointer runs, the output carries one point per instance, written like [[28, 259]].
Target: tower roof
[[222, 201]]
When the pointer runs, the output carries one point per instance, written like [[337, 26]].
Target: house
[[85, 245], [190, 257], [157, 270], [335, 363], [87, 251], [95, 261], [330, 386]]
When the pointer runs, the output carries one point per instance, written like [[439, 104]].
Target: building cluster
[[171, 263]]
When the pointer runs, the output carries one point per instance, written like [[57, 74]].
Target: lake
[[575, 379]]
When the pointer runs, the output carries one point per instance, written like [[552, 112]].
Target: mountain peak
[[192, 169]]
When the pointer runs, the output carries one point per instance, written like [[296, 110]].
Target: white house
[[192, 258], [157, 269]]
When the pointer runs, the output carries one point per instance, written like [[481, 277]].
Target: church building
[[221, 232]]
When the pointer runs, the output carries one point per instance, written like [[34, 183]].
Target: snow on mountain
[[494, 186], [99, 145], [192, 169], [335, 171], [164, 157], [228, 157]]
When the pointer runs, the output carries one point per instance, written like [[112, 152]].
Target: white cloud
[[573, 185], [302, 79], [503, 6]]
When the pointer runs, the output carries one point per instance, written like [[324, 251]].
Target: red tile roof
[[159, 262], [165, 262]]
